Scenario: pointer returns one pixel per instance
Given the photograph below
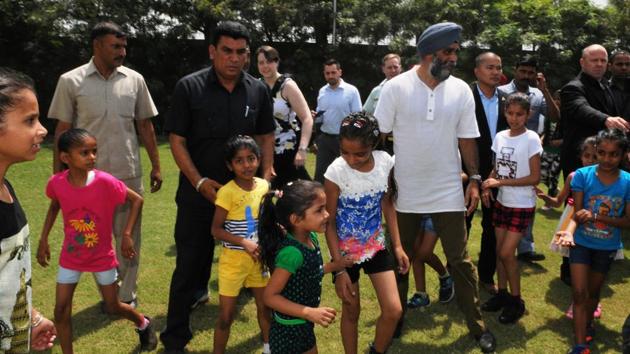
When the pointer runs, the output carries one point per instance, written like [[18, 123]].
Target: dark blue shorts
[[599, 260]]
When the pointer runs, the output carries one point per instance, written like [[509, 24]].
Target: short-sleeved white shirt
[[512, 161], [426, 125], [107, 108]]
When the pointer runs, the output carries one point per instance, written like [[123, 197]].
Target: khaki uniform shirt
[[107, 108]]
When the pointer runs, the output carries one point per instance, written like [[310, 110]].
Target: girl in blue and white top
[[357, 193], [601, 199]]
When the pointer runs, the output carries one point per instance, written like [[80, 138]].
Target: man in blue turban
[[432, 116]]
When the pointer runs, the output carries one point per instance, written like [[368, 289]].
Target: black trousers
[[195, 249], [286, 170], [487, 264], [327, 152]]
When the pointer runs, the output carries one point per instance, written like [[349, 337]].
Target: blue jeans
[[527, 241]]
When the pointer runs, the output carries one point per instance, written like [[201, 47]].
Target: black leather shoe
[[512, 312], [487, 342], [495, 303], [531, 257]]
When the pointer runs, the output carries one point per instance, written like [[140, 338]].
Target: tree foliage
[[47, 37]]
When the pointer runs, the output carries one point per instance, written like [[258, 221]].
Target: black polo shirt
[[206, 114]]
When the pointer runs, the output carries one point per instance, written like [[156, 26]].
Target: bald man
[[490, 120], [588, 106]]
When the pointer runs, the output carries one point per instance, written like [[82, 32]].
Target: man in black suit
[[490, 120], [588, 106]]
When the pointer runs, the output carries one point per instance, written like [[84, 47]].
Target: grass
[[440, 329]]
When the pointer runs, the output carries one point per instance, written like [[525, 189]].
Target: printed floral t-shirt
[[88, 214], [359, 226]]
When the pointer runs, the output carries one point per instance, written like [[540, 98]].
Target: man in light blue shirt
[[335, 101], [391, 68], [526, 78]]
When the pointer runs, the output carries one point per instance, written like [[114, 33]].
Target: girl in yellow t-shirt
[[235, 223]]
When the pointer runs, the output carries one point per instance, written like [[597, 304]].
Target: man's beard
[[441, 70]]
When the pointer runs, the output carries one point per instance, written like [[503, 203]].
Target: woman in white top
[[292, 135]]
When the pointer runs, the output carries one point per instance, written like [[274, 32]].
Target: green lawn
[[440, 329]]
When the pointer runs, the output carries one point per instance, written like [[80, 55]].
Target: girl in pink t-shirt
[[87, 199]]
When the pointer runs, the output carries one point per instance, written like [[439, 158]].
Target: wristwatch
[[476, 178]]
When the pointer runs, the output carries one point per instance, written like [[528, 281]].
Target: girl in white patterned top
[[357, 193]]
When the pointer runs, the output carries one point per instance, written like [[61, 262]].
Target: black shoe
[[495, 303], [148, 339], [447, 289], [487, 342], [531, 257], [513, 311]]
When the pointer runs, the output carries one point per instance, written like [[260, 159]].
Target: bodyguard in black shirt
[[207, 108]]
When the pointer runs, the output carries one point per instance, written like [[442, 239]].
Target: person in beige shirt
[[108, 99]]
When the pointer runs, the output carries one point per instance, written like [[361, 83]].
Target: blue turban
[[438, 36]]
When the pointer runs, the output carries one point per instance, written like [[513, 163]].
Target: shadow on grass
[[559, 295], [605, 340], [619, 272], [508, 336], [91, 320], [531, 268], [172, 251], [439, 319]]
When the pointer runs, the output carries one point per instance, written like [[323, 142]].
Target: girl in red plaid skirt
[[516, 172]]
